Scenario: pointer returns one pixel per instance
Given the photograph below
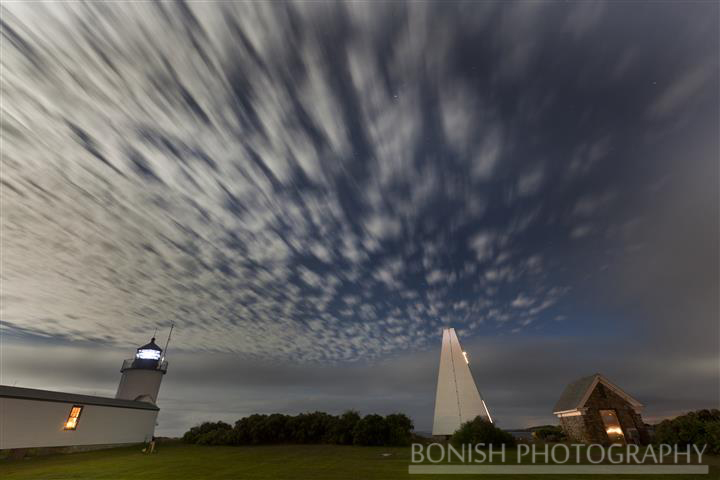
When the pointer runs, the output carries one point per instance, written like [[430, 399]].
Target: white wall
[[138, 382], [34, 423], [457, 399]]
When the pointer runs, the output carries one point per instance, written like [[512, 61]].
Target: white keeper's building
[[31, 418]]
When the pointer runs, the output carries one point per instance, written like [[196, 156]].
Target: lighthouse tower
[[142, 375]]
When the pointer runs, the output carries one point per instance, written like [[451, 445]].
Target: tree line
[[694, 428], [318, 427]]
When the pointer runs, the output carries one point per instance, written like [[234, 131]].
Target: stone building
[[594, 410]]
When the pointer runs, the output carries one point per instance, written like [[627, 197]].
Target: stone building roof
[[51, 396], [576, 393]]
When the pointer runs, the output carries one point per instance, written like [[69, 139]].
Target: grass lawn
[[316, 462]]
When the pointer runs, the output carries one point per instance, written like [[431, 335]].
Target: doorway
[[612, 426]]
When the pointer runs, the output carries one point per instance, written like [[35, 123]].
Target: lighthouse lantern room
[[142, 375]]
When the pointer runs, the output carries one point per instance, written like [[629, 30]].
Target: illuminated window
[[72, 420]]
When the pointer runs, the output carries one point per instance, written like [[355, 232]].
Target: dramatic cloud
[[299, 184]]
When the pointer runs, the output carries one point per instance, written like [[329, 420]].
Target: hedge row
[[480, 430], [318, 427], [695, 428]]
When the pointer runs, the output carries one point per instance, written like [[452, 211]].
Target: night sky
[[311, 191]]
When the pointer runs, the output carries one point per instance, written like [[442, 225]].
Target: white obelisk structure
[[457, 400]]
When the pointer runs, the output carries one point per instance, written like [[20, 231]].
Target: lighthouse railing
[[127, 364]]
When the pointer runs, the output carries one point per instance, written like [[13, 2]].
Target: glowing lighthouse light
[[148, 354]]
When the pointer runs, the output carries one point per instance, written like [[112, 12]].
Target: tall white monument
[[457, 400]]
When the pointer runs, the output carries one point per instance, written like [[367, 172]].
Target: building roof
[[151, 346], [573, 394], [50, 396], [576, 393]]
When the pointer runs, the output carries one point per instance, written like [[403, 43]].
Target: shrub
[[221, 436], [311, 427], [371, 430], [712, 440], [274, 429], [342, 431], [194, 434], [480, 430], [399, 429], [316, 427], [549, 433], [695, 428]]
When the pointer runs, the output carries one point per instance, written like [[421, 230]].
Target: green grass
[[316, 462]]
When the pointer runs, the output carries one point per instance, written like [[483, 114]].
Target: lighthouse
[[31, 418], [142, 375]]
